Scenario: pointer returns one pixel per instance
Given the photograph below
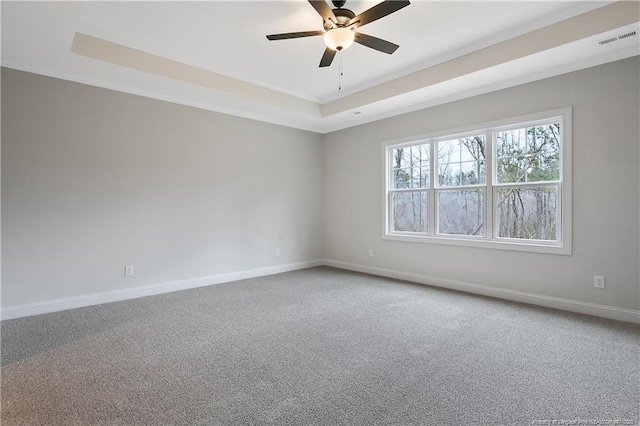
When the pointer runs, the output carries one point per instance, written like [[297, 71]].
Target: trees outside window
[[411, 181], [498, 184], [528, 181], [462, 175]]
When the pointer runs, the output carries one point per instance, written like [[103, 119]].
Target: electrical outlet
[[128, 270], [370, 252], [598, 281], [277, 252]]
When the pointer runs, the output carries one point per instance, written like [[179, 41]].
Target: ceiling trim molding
[[311, 126], [118, 54], [603, 19], [468, 48], [493, 87]]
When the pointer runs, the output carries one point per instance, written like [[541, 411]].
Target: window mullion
[[408, 190], [431, 215], [389, 212], [389, 195], [559, 213], [489, 196], [528, 184]]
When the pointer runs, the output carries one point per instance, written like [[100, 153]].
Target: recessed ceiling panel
[[239, 71]]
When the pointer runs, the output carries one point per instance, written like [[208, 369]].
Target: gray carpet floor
[[319, 347]]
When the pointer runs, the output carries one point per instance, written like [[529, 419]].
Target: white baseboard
[[611, 312], [620, 314], [55, 305]]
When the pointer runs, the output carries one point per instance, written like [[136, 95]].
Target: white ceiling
[[214, 55]]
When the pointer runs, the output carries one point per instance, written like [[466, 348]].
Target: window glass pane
[[529, 154], [462, 161], [402, 158], [420, 177], [410, 167], [449, 174], [424, 154], [510, 142], [461, 212], [527, 213], [449, 151], [409, 211], [411, 156], [472, 174], [401, 178], [419, 155]]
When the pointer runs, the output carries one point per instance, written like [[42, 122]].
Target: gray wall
[[94, 179], [605, 191]]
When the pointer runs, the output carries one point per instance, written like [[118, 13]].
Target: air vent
[[608, 40], [616, 38], [625, 35]]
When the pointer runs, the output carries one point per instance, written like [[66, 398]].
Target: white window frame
[[489, 239], [437, 188]]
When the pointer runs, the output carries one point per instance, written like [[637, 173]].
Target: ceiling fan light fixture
[[339, 38], [339, 27]]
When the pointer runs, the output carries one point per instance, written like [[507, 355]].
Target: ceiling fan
[[339, 25]]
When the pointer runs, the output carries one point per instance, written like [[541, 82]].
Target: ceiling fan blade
[[324, 10], [376, 43], [295, 35], [327, 57], [378, 11]]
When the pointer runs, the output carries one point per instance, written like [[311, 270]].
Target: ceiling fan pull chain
[[340, 73]]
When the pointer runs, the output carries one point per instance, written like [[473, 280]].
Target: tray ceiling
[[214, 55]]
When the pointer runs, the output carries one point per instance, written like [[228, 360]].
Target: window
[[460, 193], [502, 185], [411, 180]]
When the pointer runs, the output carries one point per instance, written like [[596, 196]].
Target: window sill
[[529, 246]]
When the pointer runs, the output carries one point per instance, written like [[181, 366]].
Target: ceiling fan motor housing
[[343, 16]]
